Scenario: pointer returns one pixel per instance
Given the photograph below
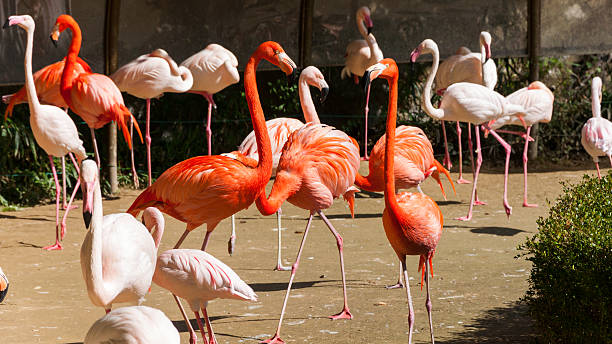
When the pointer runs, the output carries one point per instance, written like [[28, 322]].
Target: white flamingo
[[118, 252], [471, 103], [133, 325], [198, 277], [53, 129], [597, 131]]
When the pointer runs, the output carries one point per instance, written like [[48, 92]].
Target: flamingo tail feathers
[[124, 115], [440, 168], [144, 200], [12, 100]]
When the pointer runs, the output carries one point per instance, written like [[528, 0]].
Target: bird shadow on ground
[[323, 283], [509, 324], [357, 216], [368, 194], [27, 244], [12, 217], [493, 230], [448, 202]]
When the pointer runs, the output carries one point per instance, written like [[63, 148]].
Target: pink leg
[[428, 302], [201, 326], [525, 159], [367, 110], [598, 172], [93, 139], [345, 313], [205, 243], [148, 139], [192, 335], [410, 309], [276, 338], [64, 202], [477, 171], [471, 148], [506, 146], [279, 263], [399, 280], [181, 239], [74, 191], [211, 334], [57, 245], [461, 180], [446, 161], [232, 240], [134, 173]]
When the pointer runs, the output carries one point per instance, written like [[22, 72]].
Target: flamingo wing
[[279, 130], [213, 68], [143, 77], [356, 58], [597, 137], [473, 103]]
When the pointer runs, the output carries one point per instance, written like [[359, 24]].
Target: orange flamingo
[[318, 164], [94, 97], [413, 222]]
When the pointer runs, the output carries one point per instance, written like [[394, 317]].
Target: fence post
[[306, 11], [533, 50], [111, 36]]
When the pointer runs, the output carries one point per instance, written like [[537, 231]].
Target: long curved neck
[[264, 166], [375, 52], [30, 86], [390, 198], [595, 104], [68, 73], [186, 81], [308, 108], [362, 28], [427, 106], [96, 229]]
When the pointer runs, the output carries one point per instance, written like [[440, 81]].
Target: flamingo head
[[89, 183], [25, 22], [63, 22], [485, 41], [596, 87], [385, 68], [363, 15], [538, 85], [275, 54], [312, 76], [152, 218], [428, 46]]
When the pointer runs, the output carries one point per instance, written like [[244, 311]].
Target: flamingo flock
[[312, 164]]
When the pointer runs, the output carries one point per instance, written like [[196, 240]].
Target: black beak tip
[[293, 77], [6, 24], [365, 81], [53, 41], [87, 218], [370, 29], [324, 93]]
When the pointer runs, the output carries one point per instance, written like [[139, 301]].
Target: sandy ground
[[478, 281]]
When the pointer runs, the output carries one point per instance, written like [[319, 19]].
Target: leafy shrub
[[570, 294]]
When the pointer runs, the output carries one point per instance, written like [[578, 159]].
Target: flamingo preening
[[135, 324], [466, 66], [53, 129], [412, 221], [213, 69], [597, 131], [537, 99], [279, 130], [94, 97], [361, 54], [150, 76], [118, 253], [471, 103]]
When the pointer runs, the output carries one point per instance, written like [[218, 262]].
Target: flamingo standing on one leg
[[213, 69], [537, 99], [94, 97], [361, 54], [597, 131], [118, 253], [47, 83], [412, 221], [318, 164], [471, 103], [53, 129], [135, 324], [466, 66], [279, 130], [198, 277], [150, 76]]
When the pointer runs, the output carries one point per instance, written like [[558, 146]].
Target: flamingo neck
[[390, 198], [366, 182], [186, 78], [73, 52], [95, 269], [430, 110], [595, 104], [363, 30], [375, 52], [264, 149], [286, 184], [308, 108], [30, 86]]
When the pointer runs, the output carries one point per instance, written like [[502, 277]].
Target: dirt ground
[[477, 283]]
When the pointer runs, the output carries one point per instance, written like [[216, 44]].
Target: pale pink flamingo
[[471, 103], [318, 164], [466, 66], [94, 97], [4, 284], [597, 131], [361, 54], [279, 130], [412, 221], [198, 277], [150, 76], [537, 99], [47, 82], [53, 129], [213, 69], [134, 324], [118, 253]]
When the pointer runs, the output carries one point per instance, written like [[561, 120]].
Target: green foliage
[[571, 278]]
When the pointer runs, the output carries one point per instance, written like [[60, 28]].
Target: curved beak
[[324, 91], [414, 55], [88, 191], [6, 24], [287, 66], [12, 20], [487, 52], [372, 73], [55, 35], [369, 24]]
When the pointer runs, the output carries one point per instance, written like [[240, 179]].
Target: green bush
[[570, 286]]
